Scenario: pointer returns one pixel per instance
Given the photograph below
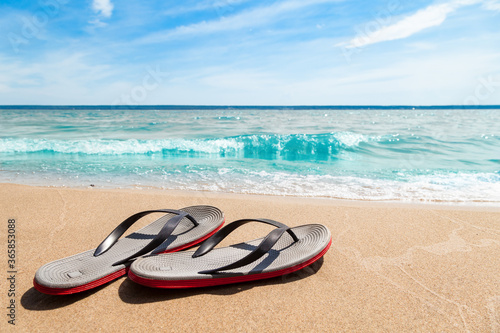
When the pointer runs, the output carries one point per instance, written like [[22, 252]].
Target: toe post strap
[[164, 233], [264, 247]]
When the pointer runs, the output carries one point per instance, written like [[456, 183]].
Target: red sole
[[112, 276], [177, 284]]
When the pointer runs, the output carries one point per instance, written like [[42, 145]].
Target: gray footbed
[[313, 238], [83, 268]]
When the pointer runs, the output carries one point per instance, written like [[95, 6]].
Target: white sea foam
[[350, 139], [116, 147], [459, 188]]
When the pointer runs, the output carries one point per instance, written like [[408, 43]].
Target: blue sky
[[241, 52]]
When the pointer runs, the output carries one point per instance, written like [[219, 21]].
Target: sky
[[242, 52]]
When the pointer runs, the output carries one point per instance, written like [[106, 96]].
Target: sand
[[391, 268]]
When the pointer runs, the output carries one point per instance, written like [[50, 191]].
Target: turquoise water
[[402, 155]]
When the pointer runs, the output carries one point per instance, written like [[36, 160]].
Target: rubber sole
[[113, 276], [178, 284]]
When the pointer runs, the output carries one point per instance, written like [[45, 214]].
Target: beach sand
[[392, 267]]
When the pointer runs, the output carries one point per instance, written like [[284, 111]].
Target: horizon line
[[228, 107]]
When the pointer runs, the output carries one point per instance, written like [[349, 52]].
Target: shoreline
[[391, 266], [481, 206]]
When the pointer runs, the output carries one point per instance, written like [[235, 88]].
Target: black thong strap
[[263, 248]]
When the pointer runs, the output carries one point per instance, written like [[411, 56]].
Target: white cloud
[[431, 16], [492, 5], [247, 19], [57, 78], [103, 7], [98, 23]]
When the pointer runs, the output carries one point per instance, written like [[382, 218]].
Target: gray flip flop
[[282, 251], [174, 231]]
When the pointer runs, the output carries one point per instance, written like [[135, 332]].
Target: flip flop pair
[[174, 231], [154, 264]]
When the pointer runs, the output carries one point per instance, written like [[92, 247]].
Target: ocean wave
[[116, 147], [269, 146]]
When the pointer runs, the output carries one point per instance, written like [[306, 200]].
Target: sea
[[402, 154]]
